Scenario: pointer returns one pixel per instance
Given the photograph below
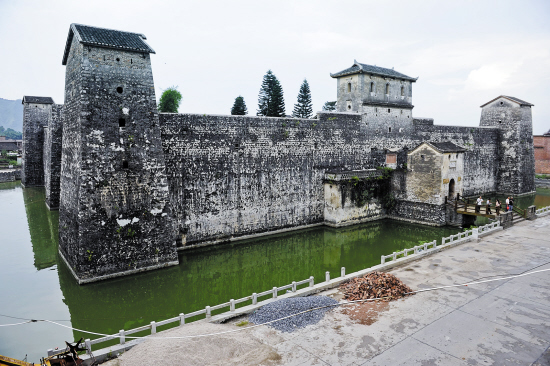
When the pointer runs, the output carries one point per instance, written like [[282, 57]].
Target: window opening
[[389, 110], [387, 88], [118, 59], [121, 122], [119, 90], [402, 91], [372, 87], [349, 87], [349, 106], [389, 129], [125, 164]]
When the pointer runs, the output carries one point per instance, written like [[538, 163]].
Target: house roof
[[513, 99], [106, 38], [8, 146], [359, 68], [36, 100], [442, 147]]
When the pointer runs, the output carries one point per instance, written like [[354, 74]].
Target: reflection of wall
[[43, 228]]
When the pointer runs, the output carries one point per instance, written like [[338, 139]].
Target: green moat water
[[36, 284]]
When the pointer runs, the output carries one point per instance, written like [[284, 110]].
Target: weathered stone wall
[[52, 156], [35, 117], [236, 175], [7, 176], [516, 170], [114, 213]]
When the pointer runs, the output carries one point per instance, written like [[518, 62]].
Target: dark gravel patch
[[286, 307]]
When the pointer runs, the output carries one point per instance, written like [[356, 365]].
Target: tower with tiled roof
[[516, 168], [382, 96], [114, 208]]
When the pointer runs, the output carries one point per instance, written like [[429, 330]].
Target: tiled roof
[[107, 38], [547, 133], [370, 69], [446, 147], [37, 100], [513, 99], [8, 146]]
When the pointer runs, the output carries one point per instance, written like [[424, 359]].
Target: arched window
[[387, 88], [349, 87], [372, 86], [402, 91]]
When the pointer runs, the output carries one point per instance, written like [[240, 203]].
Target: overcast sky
[[465, 53]]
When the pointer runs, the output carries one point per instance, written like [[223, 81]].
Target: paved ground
[[497, 323]]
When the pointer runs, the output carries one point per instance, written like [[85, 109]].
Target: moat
[[36, 284]]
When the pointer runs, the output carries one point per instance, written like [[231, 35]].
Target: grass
[[242, 323]]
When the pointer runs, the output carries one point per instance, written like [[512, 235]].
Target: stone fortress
[[134, 186]]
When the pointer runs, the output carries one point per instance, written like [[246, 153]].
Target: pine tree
[[271, 102], [239, 107], [303, 108], [329, 106]]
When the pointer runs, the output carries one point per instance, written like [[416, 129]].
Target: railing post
[[208, 312], [254, 298], [425, 246], [153, 327], [232, 305], [274, 292], [383, 259], [293, 286], [475, 233], [435, 243], [88, 345], [122, 336], [343, 272], [311, 281], [405, 252], [327, 276], [394, 257], [182, 318]]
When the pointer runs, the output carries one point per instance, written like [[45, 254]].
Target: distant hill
[[11, 114]]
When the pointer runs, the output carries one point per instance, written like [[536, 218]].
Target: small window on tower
[[125, 164], [389, 110], [372, 87], [119, 90], [387, 88], [349, 87], [121, 122], [389, 129], [402, 91]]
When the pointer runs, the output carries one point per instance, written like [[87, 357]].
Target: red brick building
[[542, 153]]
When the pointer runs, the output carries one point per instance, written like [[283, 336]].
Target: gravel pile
[[285, 307]]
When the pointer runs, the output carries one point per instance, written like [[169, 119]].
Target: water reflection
[[43, 227]]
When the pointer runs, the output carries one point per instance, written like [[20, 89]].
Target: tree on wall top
[[170, 100], [270, 100], [239, 107], [329, 106], [303, 109]]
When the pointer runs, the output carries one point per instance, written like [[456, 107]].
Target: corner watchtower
[[516, 168], [36, 115], [114, 215]]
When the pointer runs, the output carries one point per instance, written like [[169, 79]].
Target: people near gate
[[479, 202], [507, 203], [511, 203], [488, 211], [497, 207]]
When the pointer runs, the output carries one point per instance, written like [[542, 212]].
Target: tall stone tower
[[37, 112], [512, 116], [114, 214], [383, 96]]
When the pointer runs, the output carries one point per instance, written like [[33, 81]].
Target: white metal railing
[[543, 210]]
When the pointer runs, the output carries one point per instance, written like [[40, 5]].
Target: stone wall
[[7, 176], [114, 213], [35, 117], [52, 156]]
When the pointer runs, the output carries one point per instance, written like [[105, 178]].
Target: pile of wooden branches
[[375, 285]]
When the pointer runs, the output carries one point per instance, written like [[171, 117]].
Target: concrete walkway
[[498, 323]]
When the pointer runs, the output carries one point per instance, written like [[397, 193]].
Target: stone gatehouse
[[133, 186]]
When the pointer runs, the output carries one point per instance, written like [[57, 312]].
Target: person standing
[[488, 210], [497, 207], [511, 204], [507, 204], [479, 202]]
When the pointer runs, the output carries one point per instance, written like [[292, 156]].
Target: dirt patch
[[365, 313]]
